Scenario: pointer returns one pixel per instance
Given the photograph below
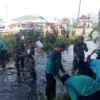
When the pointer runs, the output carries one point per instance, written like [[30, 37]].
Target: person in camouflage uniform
[[30, 51], [79, 48], [55, 32], [18, 51]]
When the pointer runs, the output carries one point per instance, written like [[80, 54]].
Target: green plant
[[8, 40], [62, 96]]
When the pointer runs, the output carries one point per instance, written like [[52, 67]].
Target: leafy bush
[[48, 46], [8, 40]]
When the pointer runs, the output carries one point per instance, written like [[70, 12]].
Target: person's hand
[[78, 59], [83, 46], [58, 76], [63, 71]]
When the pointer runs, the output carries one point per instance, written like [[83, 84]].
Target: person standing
[[79, 48], [52, 68], [55, 33], [30, 54], [18, 52], [3, 52]]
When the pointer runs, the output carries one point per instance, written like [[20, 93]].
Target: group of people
[[81, 86]]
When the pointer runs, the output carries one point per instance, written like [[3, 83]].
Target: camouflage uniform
[[30, 56], [79, 53], [19, 57]]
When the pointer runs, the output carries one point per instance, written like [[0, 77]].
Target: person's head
[[80, 39], [64, 78], [60, 47], [17, 37]]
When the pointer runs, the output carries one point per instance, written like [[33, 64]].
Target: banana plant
[[95, 33]]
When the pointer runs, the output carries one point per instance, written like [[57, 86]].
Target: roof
[[83, 17], [26, 18], [38, 19]]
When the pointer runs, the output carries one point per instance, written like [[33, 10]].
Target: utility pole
[[6, 7], [79, 11], [78, 14]]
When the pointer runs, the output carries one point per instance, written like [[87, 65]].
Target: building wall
[[82, 21]]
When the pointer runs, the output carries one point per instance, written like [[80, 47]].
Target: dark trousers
[[19, 62], [32, 70], [76, 62], [94, 96], [2, 57], [50, 87]]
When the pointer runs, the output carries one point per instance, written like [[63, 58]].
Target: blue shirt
[[81, 86], [95, 66], [2, 46], [54, 63]]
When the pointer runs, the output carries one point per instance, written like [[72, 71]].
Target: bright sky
[[52, 8]]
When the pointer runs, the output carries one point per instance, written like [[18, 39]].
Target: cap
[[61, 45]]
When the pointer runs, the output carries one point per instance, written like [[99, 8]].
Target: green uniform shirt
[[18, 48], [79, 50], [81, 86], [54, 63], [2, 46]]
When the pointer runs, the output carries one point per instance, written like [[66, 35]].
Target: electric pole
[[78, 14], [79, 11], [6, 7]]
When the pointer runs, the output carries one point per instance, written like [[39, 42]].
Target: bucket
[[39, 44]]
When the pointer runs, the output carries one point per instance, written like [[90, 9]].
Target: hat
[[61, 45]]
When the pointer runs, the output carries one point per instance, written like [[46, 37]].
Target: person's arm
[[32, 50], [85, 47], [58, 76], [62, 69], [76, 53], [72, 92], [94, 51]]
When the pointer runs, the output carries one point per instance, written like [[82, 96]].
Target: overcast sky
[[58, 8]]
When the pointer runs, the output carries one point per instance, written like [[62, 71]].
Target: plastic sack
[[22, 37], [39, 44], [28, 51]]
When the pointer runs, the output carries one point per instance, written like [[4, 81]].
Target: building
[[85, 21], [4, 24]]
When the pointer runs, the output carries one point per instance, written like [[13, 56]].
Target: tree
[[99, 21], [95, 33], [65, 20]]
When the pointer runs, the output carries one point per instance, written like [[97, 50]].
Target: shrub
[[8, 40]]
